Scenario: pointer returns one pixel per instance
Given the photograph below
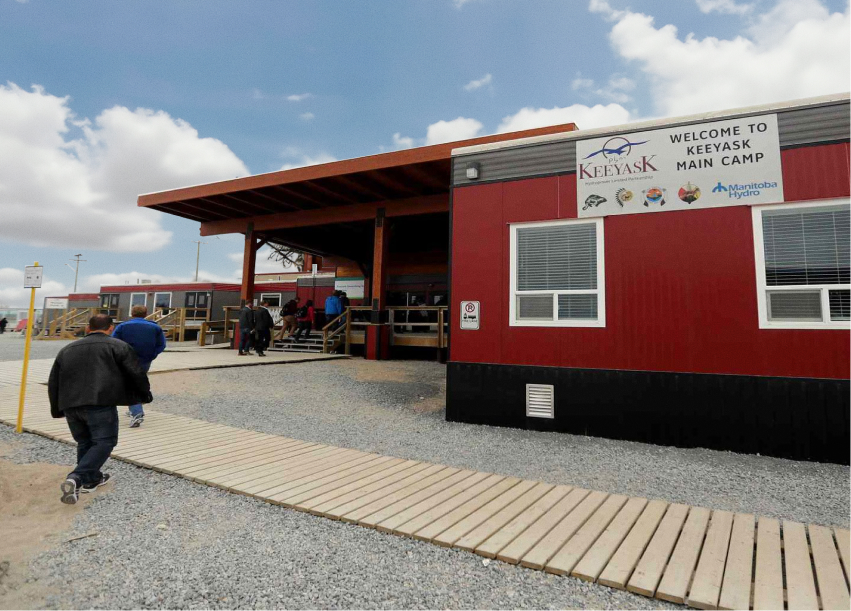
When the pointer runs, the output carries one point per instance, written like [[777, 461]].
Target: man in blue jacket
[[148, 340]]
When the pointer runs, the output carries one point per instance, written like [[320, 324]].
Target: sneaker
[[70, 491], [136, 421], [242, 354], [92, 487]]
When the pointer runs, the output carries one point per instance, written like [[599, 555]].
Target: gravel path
[[396, 408], [12, 347], [164, 542]]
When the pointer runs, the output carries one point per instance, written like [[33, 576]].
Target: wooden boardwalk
[[691, 555]]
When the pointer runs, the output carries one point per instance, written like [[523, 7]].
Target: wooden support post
[[378, 340], [249, 258]]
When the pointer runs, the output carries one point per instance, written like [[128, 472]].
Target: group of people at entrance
[[90, 378]]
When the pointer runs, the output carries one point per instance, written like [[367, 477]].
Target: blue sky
[[101, 101]]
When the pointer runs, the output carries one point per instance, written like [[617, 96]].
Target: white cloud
[[477, 84], [307, 116], [402, 142], [726, 7], [13, 294], [63, 191], [796, 50], [585, 117], [262, 263], [450, 131], [301, 159], [458, 3], [581, 83], [298, 97]]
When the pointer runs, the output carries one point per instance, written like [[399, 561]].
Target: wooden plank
[[736, 588], [518, 548], [248, 475], [437, 500], [800, 580], [331, 469], [675, 582], [228, 469], [334, 481], [213, 462], [843, 542], [326, 503], [504, 516], [280, 476], [352, 512], [618, 570], [389, 511], [436, 520], [362, 487], [237, 447], [648, 572], [449, 536], [709, 575], [573, 551], [768, 579], [506, 534], [831, 579], [596, 559], [552, 542]]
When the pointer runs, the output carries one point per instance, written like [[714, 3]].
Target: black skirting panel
[[798, 418]]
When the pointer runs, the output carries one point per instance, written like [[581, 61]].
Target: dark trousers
[[95, 429], [244, 340], [304, 325], [264, 337]]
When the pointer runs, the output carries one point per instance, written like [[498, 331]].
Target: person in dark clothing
[[288, 321], [148, 340], [3, 323], [305, 317], [246, 328], [263, 324], [89, 378]]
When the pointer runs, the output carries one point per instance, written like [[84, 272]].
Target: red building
[[682, 282]]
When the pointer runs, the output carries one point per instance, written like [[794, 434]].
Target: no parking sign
[[470, 315]]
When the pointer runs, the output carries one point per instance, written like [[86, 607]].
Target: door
[[197, 303], [109, 304]]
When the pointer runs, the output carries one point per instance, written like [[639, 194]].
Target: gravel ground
[[396, 408], [12, 347], [164, 542]]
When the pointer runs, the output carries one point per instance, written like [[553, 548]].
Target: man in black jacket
[[89, 378], [246, 328], [263, 324]]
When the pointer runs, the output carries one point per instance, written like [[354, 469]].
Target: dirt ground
[[31, 521]]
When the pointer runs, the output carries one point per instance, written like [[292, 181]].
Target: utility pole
[[197, 256], [77, 261]]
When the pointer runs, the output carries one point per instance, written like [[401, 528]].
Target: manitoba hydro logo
[[743, 190], [616, 158]]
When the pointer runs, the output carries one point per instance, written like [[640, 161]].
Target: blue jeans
[[136, 410], [244, 340], [95, 429]]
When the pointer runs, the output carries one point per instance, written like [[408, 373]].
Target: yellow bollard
[[20, 426]]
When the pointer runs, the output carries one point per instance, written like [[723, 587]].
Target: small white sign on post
[[55, 303], [470, 315], [32, 276]]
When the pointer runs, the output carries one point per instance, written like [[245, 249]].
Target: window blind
[[806, 247], [557, 258]]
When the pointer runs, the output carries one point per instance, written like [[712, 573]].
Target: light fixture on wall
[[473, 170]]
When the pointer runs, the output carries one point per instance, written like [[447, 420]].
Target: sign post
[[32, 280]]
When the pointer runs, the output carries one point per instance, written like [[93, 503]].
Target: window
[[557, 275], [138, 299], [802, 260], [162, 300], [274, 299]]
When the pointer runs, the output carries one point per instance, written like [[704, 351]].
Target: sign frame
[[471, 315], [33, 276]]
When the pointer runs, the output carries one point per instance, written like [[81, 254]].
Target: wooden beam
[[249, 257], [357, 212]]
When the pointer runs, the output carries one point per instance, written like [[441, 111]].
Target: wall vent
[[540, 401]]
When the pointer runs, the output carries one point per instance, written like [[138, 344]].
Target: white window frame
[[144, 303], [263, 297], [154, 305], [600, 291], [762, 288]]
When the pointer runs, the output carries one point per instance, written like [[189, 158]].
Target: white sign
[[32, 276], [55, 303], [707, 165], [470, 315], [353, 287]]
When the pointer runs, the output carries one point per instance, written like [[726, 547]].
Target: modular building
[[680, 282]]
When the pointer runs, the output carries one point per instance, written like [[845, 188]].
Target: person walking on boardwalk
[[263, 325], [148, 340], [246, 328], [89, 379]]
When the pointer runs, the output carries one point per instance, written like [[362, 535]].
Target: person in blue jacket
[[333, 306], [148, 340]]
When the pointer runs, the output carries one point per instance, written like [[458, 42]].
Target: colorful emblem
[[654, 195], [592, 201], [624, 196], [689, 193]]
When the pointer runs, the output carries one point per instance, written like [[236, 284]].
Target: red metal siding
[[680, 286]]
